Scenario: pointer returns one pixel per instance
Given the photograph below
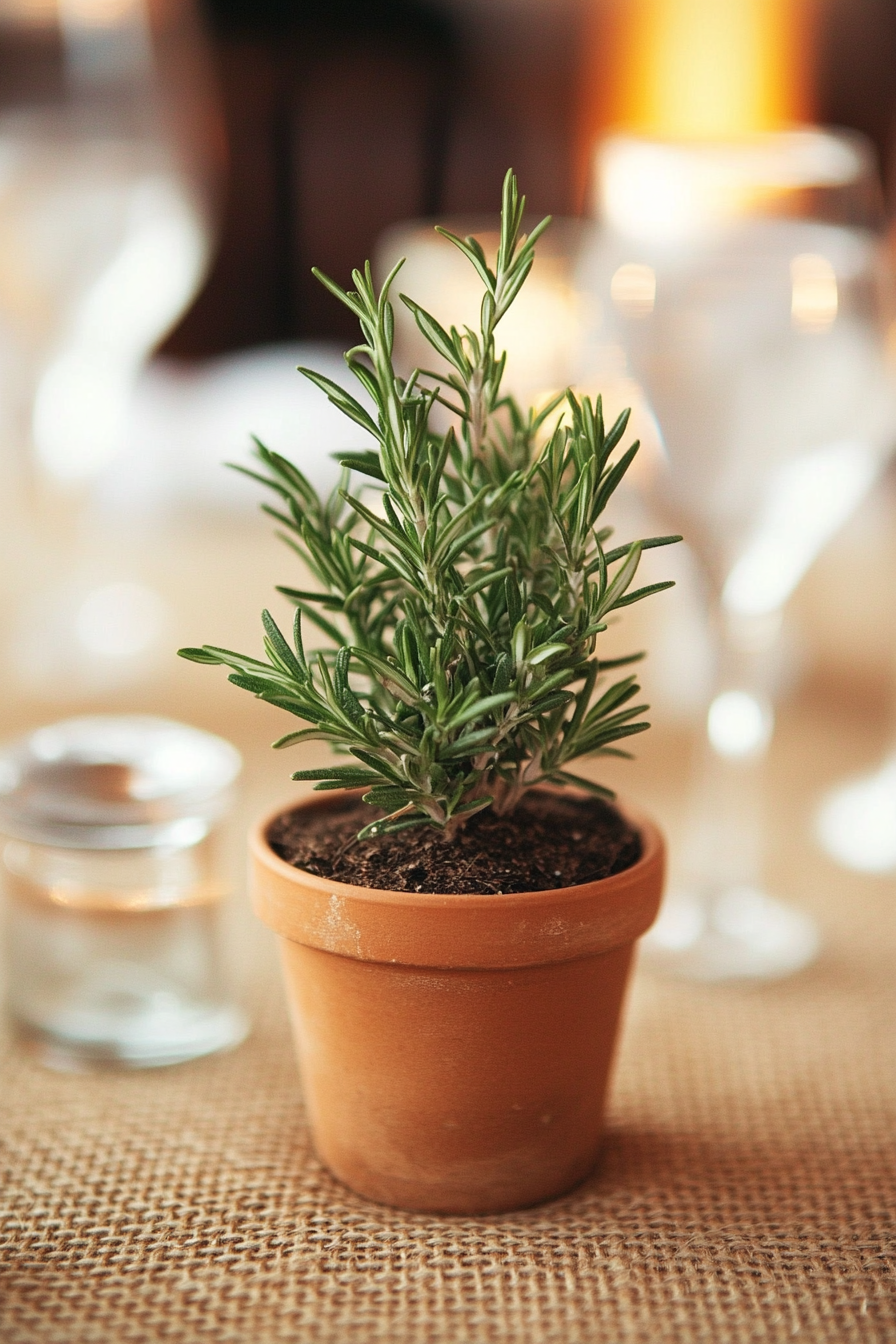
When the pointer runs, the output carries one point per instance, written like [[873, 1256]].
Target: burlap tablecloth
[[747, 1190]]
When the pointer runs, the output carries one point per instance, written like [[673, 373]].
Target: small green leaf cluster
[[462, 576]]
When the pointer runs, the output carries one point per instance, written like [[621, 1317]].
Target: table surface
[[746, 1192]]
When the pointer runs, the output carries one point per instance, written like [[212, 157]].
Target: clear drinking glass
[[113, 892], [749, 284], [107, 168], [108, 171], [540, 332]]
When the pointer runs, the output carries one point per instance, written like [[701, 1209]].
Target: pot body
[[455, 1050]]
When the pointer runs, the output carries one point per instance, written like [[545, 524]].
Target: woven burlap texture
[[746, 1191]]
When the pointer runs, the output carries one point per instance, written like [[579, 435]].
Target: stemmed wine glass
[[108, 168], [749, 285]]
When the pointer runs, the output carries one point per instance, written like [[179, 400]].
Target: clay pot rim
[[457, 931], [651, 841]]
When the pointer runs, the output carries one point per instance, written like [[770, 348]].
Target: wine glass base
[[856, 823], [738, 934]]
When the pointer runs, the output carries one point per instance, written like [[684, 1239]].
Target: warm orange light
[[710, 68], [692, 69]]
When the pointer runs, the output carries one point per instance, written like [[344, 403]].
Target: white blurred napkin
[[187, 420]]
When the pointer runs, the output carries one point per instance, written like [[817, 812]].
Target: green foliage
[[462, 577]]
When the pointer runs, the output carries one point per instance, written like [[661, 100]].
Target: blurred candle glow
[[710, 70], [539, 333], [698, 69]]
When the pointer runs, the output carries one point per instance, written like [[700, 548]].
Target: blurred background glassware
[[541, 331], [750, 286], [113, 897], [109, 167], [856, 821]]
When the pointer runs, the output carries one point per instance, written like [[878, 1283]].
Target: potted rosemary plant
[[458, 920]]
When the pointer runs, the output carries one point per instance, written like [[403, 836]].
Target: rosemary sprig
[[462, 577]]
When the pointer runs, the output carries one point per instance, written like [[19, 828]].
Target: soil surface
[[547, 842]]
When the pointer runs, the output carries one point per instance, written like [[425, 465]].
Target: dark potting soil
[[548, 841]]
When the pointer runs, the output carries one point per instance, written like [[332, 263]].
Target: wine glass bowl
[[749, 283], [109, 164], [104, 228]]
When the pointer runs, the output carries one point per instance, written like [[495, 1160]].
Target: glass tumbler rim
[[108, 782]]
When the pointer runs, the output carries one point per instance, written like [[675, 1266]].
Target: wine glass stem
[[725, 842]]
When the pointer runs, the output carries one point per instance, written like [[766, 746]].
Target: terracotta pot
[[455, 1049]]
